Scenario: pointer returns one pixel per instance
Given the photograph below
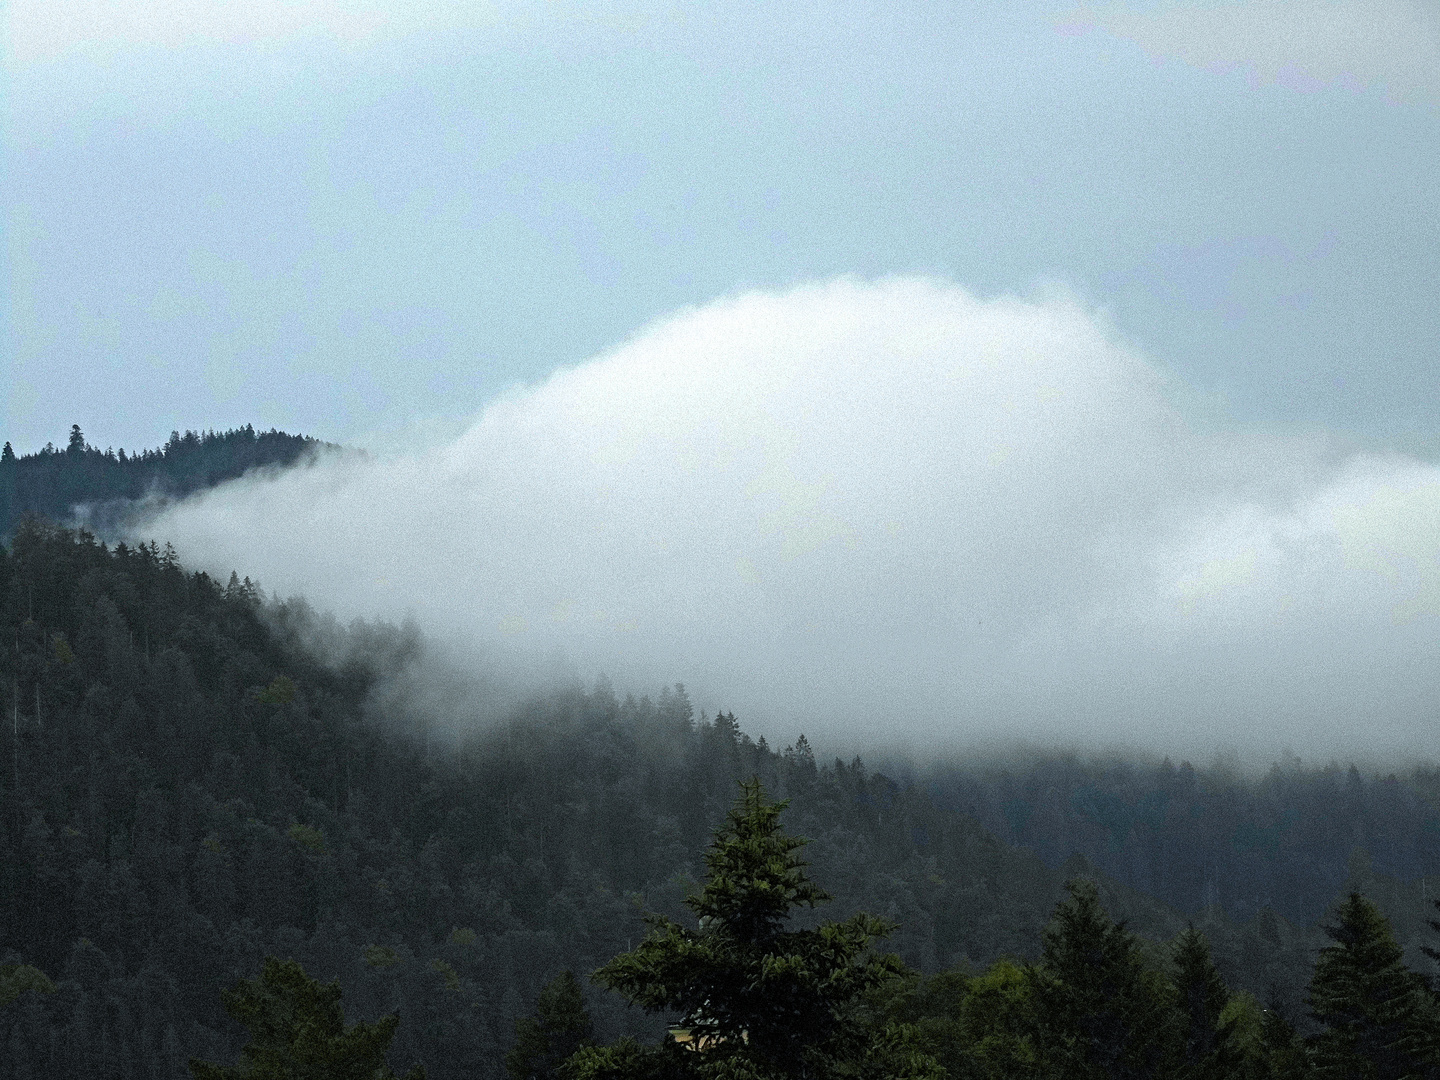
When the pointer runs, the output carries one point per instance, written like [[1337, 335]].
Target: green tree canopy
[[1378, 1020], [297, 1032], [1210, 1048], [756, 999], [998, 1026], [1100, 1011], [560, 1026], [1283, 1052]]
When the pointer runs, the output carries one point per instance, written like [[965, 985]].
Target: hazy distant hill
[[1197, 838], [101, 484]]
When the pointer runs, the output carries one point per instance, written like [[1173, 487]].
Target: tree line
[[1208, 837], [104, 484], [749, 996], [751, 999]]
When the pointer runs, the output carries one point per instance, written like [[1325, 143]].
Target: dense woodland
[[188, 785], [1286, 841], [101, 485]]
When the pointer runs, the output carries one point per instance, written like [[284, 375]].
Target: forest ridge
[[53, 482]]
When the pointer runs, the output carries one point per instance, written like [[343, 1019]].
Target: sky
[[365, 220], [900, 370]]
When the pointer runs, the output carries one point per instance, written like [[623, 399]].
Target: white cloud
[[1393, 45], [890, 509]]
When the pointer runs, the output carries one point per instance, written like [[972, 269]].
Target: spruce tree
[[1100, 1011], [560, 1026], [1208, 1045], [755, 999], [298, 1032], [1379, 1022]]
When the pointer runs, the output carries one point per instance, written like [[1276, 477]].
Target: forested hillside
[[1286, 841], [188, 788], [54, 482]]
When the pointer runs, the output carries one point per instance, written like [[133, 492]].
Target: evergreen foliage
[[753, 997], [1210, 1047], [1379, 1022], [1432, 953], [998, 1031], [297, 1032], [191, 787], [1100, 1010], [1209, 838], [53, 483], [1283, 1053], [926, 1010], [561, 1025], [188, 786]]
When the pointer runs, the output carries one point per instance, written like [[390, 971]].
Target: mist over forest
[[895, 514], [202, 772]]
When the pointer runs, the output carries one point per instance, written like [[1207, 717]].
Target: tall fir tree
[[1379, 1022], [755, 999], [1101, 1012], [561, 1025], [1209, 1048]]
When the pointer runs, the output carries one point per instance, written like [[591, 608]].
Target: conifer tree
[[1284, 1054], [1432, 953], [298, 1032], [1208, 1046], [560, 1026], [757, 1000], [1100, 1011], [1378, 1020]]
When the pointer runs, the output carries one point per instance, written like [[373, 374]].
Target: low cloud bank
[[886, 513]]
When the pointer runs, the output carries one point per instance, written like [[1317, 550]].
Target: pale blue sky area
[[353, 222]]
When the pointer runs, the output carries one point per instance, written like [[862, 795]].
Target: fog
[[890, 513]]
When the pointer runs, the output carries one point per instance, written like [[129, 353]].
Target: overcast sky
[[363, 219], [895, 371]]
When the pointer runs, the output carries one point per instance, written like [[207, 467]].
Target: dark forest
[[102, 485]]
